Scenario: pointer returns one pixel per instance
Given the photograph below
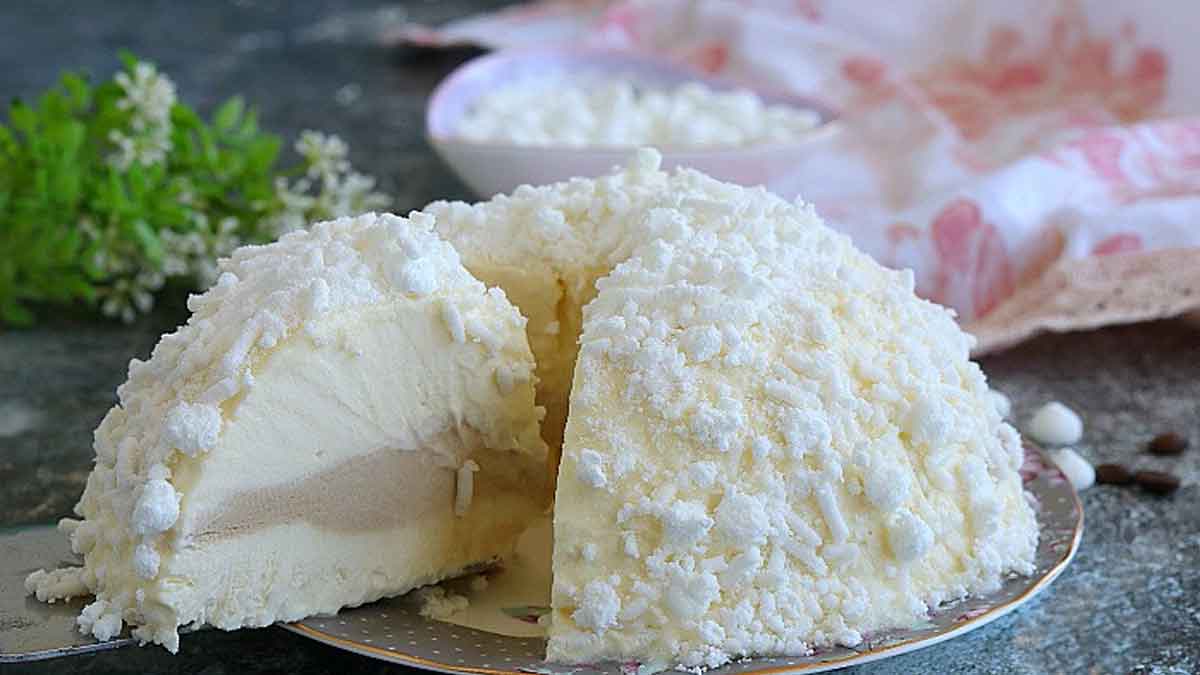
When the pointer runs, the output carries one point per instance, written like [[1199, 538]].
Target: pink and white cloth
[[1036, 162]]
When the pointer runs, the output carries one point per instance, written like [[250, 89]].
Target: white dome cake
[[348, 414], [773, 445]]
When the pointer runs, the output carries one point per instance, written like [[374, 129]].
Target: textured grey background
[[1129, 604]]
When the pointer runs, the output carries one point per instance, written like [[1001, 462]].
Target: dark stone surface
[[1129, 603]]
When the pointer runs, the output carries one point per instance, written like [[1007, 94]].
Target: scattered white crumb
[[59, 584], [1077, 469], [1055, 424], [439, 605], [17, 417]]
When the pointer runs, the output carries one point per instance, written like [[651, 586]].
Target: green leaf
[[185, 119], [77, 89], [23, 118], [70, 242], [8, 143], [249, 124], [128, 59], [227, 116], [73, 135], [16, 315], [119, 201], [149, 240], [78, 286], [261, 154]]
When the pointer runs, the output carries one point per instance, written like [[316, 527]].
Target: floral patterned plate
[[394, 630]]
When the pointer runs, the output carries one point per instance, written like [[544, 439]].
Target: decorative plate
[[498, 633]]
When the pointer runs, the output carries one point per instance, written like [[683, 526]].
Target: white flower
[[127, 297], [295, 196], [330, 188], [358, 192], [325, 154], [286, 221], [88, 227], [195, 253], [149, 96], [151, 280], [224, 238]]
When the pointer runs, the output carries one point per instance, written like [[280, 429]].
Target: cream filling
[[384, 489], [257, 578], [524, 581], [333, 417]]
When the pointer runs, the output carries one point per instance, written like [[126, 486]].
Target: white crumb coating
[[178, 406], [580, 223], [546, 246], [773, 445]]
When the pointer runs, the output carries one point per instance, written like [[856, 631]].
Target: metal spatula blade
[[31, 630]]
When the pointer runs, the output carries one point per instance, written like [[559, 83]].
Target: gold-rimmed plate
[[498, 634]]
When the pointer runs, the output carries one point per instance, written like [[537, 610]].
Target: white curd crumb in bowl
[[1055, 424], [594, 112], [1077, 469]]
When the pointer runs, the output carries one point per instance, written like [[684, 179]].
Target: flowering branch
[[111, 193]]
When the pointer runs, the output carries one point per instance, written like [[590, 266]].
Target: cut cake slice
[[347, 414]]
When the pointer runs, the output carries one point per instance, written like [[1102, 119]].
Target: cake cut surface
[[348, 414], [546, 246], [773, 445]]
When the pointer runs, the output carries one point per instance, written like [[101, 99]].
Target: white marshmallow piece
[[1056, 424]]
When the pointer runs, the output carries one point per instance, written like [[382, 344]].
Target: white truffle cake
[[769, 443], [347, 415]]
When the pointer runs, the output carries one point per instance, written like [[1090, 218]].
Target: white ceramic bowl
[[493, 168]]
